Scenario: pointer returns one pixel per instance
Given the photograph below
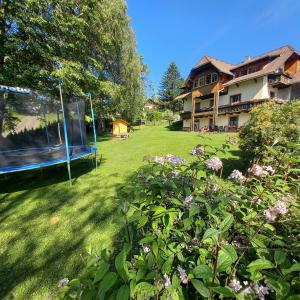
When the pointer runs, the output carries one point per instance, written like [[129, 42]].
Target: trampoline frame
[[69, 158]]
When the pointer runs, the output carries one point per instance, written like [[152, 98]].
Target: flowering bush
[[271, 125], [191, 234]]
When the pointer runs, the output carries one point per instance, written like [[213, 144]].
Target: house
[[120, 127], [219, 95]]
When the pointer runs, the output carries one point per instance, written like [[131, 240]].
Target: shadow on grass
[[45, 227], [37, 178]]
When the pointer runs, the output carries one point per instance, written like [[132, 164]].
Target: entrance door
[[211, 124]]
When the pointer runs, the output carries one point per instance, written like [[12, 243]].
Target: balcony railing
[[279, 81], [243, 106], [205, 109]]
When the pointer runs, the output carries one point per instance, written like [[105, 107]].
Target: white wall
[[187, 105], [284, 93], [223, 120], [205, 103], [187, 123], [249, 89]]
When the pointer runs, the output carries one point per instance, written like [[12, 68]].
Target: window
[[214, 77], [197, 107], [243, 72], [208, 79], [201, 81], [211, 102], [195, 83], [235, 98], [272, 95], [233, 121], [252, 70]]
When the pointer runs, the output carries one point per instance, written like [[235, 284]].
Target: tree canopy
[[170, 87], [88, 45]]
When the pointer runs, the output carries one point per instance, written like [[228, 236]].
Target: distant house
[[152, 104], [219, 95]]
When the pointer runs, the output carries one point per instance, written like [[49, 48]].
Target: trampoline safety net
[[33, 129]]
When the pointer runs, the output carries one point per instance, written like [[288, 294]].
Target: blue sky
[[185, 30]]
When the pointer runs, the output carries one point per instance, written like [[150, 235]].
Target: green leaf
[[201, 288], [158, 210], [167, 266], [202, 271], [211, 233], [279, 257], [123, 293], [293, 268], [144, 290], [224, 261], [230, 251], [107, 282], [280, 286], [194, 210], [260, 264], [224, 291], [155, 248], [143, 220], [226, 223], [121, 264], [102, 270]]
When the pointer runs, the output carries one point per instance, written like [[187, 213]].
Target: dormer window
[[196, 83], [214, 77], [208, 79], [243, 72], [252, 70], [201, 81]]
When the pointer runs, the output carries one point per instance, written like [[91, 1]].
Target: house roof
[[223, 66], [272, 53], [296, 78], [281, 56], [184, 95], [121, 121]]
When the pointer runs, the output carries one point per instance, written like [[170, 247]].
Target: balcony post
[[193, 114]]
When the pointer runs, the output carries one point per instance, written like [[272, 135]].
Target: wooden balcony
[[239, 107], [204, 111], [279, 81]]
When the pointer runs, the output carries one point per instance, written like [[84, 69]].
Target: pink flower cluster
[[198, 151], [238, 176], [255, 289], [214, 163], [167, 281], [183, 276], [188, 201], [169, 158], [259, 171], [279, 209]]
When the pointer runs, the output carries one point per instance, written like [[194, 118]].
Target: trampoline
[[38, 130]]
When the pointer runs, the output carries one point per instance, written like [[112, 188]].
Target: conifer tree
[[170, 88]]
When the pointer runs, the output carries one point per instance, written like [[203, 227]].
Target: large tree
[[87, 44], [170, 87]]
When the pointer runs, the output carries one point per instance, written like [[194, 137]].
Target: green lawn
[[46, 226]]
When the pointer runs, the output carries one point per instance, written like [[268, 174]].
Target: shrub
[[154, 116], [189, 234], [176, 126], [270, 125]]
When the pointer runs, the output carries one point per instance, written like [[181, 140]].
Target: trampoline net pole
[[94, 130], [66, 134]]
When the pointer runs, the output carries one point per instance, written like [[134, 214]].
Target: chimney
[[247, 58]]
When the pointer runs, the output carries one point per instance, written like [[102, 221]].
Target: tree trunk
[[2, 112], [101, 125], [3, 15]]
